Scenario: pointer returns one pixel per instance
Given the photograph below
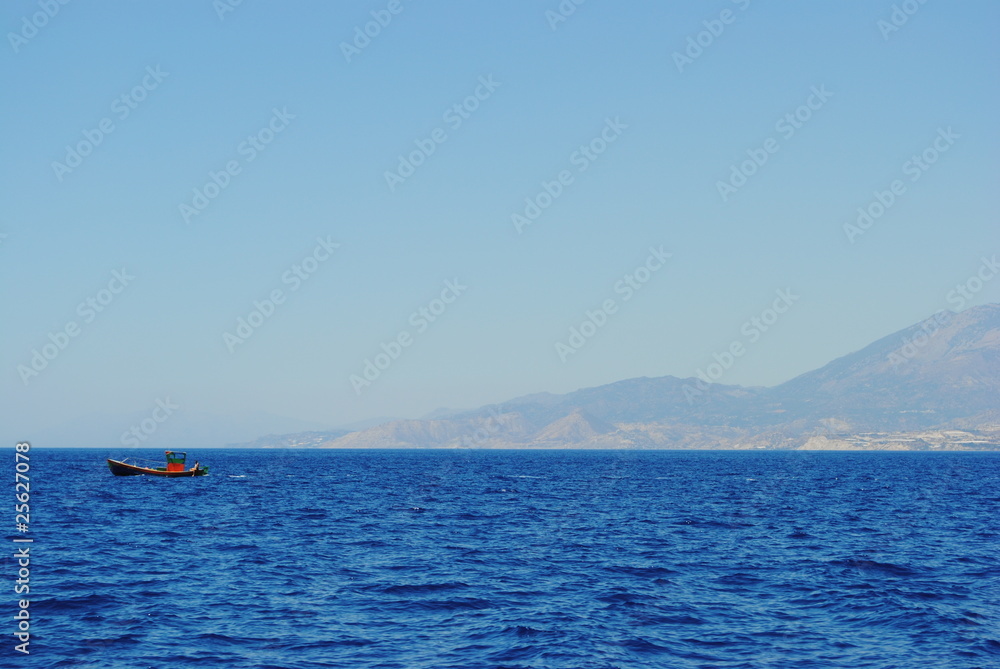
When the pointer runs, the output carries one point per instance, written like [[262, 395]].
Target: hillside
[[933, 385]]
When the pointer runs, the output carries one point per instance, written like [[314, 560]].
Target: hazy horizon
[[233, 430]]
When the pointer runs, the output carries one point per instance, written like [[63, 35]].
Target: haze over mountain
[[179, 426], [932, 385]]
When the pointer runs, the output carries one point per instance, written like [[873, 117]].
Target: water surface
[[561, 559]]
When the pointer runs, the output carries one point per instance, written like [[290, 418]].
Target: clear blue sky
[[323, 175]]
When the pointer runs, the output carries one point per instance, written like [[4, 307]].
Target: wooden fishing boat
[[174, 469]]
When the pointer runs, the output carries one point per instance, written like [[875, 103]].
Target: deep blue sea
[[514, 559]]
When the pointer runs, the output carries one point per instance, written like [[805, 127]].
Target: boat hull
[[124, 469]]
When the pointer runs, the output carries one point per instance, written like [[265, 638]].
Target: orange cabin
[[175, 461]]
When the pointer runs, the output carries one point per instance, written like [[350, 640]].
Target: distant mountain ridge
[[933, 385], [943, 369]]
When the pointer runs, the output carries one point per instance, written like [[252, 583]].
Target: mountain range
[[931, 386]]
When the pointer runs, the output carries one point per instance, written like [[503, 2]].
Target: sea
[[448, 559]]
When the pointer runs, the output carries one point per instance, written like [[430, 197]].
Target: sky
[[329, 212]]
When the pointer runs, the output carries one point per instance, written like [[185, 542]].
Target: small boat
[[174, 469]]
